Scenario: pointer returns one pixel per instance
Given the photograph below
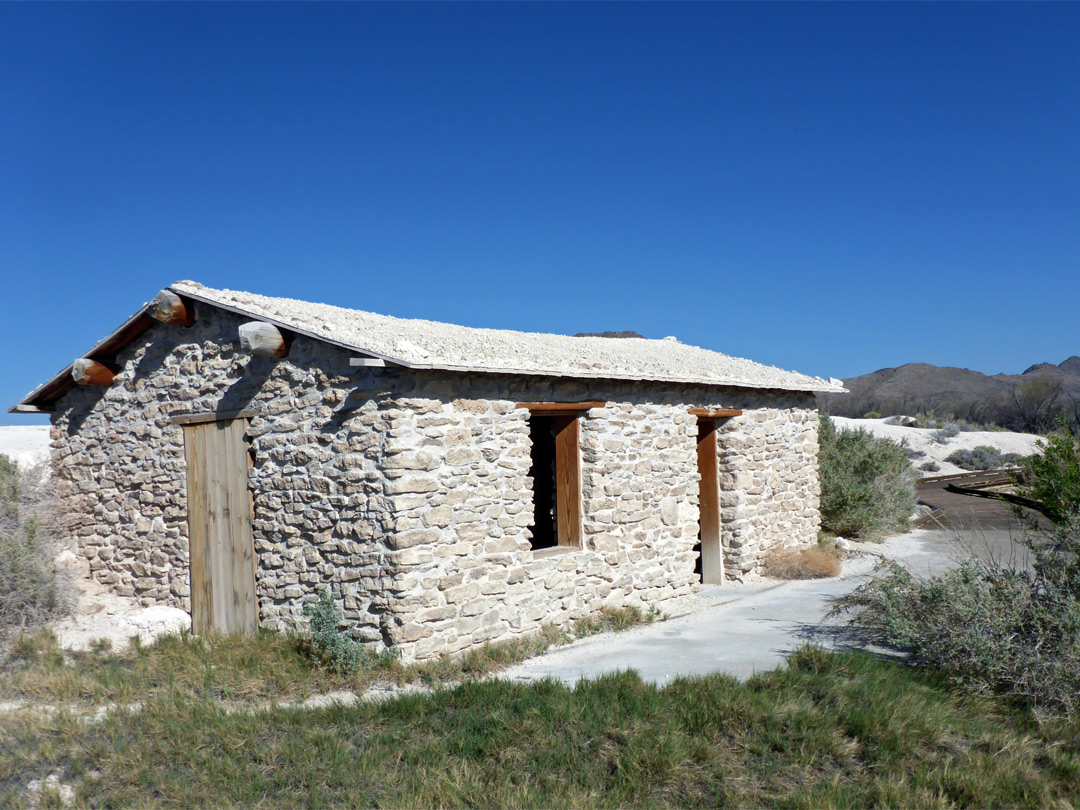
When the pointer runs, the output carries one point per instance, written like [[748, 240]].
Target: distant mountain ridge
[[972, 395]]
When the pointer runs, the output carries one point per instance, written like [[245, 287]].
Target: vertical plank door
[[712, 557], [221, 548]]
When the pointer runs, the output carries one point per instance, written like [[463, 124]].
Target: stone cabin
[[233, 454]]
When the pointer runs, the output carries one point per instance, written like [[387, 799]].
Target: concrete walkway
[[743, 629]]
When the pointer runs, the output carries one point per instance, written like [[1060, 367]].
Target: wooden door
[[221, 549], [712, 555]]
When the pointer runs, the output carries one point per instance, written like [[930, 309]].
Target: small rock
[[49, 788]]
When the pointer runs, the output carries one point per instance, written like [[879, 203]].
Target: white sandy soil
[[922, 439], [104, 615], [26, 445]]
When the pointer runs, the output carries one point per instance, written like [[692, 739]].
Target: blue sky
[[829, 188]]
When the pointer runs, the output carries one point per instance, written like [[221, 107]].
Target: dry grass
[[235, 670], [806, 562]]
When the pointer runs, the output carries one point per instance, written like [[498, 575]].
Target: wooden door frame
[[712, 551]]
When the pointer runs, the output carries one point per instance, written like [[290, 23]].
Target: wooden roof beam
[[560, 408], [715, 413]]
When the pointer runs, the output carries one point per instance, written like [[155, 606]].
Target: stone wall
[[408, 493]]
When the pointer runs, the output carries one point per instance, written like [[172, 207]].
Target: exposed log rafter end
[[263, 339], [170, 308], [85, 371]]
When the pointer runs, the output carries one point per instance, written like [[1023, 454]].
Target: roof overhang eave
[[35, 401]]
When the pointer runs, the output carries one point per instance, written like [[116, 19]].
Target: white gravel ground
[[922, 439]]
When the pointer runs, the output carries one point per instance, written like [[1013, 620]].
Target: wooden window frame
[[569, 520]]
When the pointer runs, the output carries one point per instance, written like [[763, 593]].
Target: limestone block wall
[[769, 483], [408, 493], [316, 447], [458, 461]]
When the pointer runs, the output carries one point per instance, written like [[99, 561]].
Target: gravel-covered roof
[[429, 344]]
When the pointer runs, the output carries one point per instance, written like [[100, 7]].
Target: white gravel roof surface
[[429, 344]]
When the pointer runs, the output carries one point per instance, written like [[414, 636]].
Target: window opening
[[542, 433], [556, 477]]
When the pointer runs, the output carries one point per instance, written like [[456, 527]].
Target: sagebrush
[[33, 590], [981, 458], [329, 646], [991, 626], [867, 484]]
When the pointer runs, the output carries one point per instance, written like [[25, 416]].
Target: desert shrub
[[926, 420], [871, 415], [990, 627], [982, 458], [908, 421], [327, 645], [930, 466], [32, 589], [867, 484], [947, 431], [1052, 476], [806, 562], [913, 453]]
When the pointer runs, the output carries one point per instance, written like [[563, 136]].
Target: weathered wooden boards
[[221, 546]]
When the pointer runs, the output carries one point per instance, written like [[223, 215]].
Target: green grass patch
[[826, 731]]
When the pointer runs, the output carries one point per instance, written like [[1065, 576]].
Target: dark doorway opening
[[542, 434]]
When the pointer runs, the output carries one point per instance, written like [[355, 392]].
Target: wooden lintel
[[263, 339], [213, 416], [555, 408], [715, 413], [170, 308], [85, 371], [367, 362]]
